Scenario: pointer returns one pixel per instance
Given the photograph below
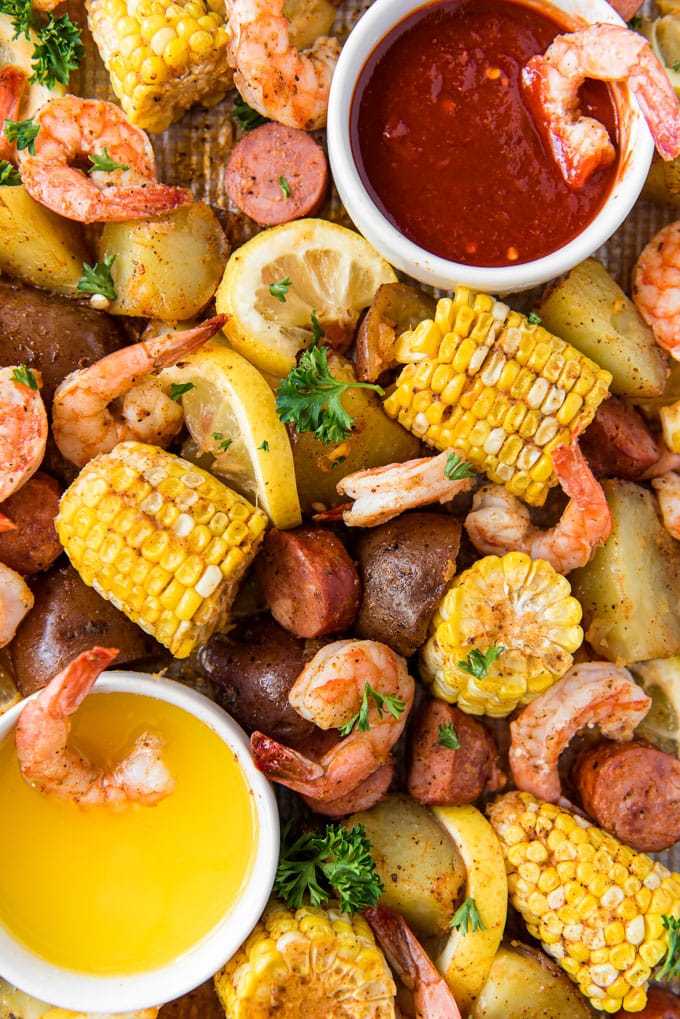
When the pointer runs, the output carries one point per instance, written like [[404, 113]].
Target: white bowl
[[636, 153], [87, 993]]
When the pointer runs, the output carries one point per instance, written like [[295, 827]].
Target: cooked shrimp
[[71, 129], [16, 600], [381, 493], [655, 287], [593, 693], [23, 427], [499, 523], [607, 53], [274, 77], [47, 760], [12, 83], [432, 996], [83, 423], [342, 679], [667, 488]]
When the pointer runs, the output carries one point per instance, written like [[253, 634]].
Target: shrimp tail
[[283, 763], [582, 486], [12, 84], [6, 524], [69, 688], [169, 348]]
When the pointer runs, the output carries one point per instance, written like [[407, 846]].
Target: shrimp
[[12, 83], [23, 427], [274, 77], [499, 523], [71, 129], [344, 682], [667, 488], [593, 693], [382, 493], [432, 996], [46, 759], [83, 423], [655, 287], [16, 599], [608, 53]]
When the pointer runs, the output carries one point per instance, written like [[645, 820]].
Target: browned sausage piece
[[661, 1004], [626, 9], [618, 442], [34, 545], [276, 173], [632, 790], [309, 581], [440, 776]]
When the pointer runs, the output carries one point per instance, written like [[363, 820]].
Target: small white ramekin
[[636, 153], [86, 993]]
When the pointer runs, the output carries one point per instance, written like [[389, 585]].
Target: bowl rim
[[84, 992], [417, 262]]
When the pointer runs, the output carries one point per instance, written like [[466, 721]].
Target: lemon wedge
[[319, 267], [230, 413], [9, 695], [466, 959]]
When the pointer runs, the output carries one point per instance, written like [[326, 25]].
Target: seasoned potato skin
[[34, 545], [525, 984]]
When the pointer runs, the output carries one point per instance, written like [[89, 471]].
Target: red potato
[[661, 1004], [33, 545]]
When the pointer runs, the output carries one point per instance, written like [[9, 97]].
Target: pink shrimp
[[593, 693], [667, 488], [23, 428], [70, 130], [607, 53], [655, 287], [47, 760], [358, 683], [499, 522], [12, 83], [16, 599], [432, 996]]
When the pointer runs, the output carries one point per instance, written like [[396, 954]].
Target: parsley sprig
[[467, 918], [280, 289], [383, 702], [447, 737], [102, 161], [25, 377], [456, 468], [9, 175], [58, 47], [23, 132], [321, 865], [97, 279], [223, 443], [671, 966], [477, 663], [178, 389], [245, 116]]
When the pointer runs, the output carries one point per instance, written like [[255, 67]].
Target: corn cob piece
[[517, 603], [312, 962], [162, 55], [165, 542], [595, 904], [504, 392]]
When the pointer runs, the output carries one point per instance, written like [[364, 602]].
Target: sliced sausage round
[[33, 545], [276, 173], [632, 790], [618, 442]]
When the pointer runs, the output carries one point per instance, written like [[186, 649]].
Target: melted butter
[[120, 890]]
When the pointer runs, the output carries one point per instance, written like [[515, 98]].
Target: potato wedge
[[524, 984], [590, 310]]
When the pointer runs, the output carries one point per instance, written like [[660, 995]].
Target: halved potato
[[308, 20], [525, 984]]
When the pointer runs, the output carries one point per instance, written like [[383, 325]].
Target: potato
[[308, 20], [589, 310], [39, 247], [396, 307], [660, 186], [630, 591], [524, 984], [166, 268], [418, 863]]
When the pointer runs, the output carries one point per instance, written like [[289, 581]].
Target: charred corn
[[511, 602], [165, 542], [162, 55], [312, 962], [502, 391], [596, 905]]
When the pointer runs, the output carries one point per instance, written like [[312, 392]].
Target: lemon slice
[[9, 695], [466, 959], [332, 271], [660, 679], [231, 415]]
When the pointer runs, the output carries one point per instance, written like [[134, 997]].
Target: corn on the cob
[[670, 425], [165, 542], [515, 602], [595, 904], [162, 55], [312, 962], [502, 391]]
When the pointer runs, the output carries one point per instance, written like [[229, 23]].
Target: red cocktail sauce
[[446, 146]]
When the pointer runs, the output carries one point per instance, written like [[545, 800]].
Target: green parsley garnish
[[477, 663], [9, 175], [104, 162], [671, 966], [25, 376], [534, 318], [335, 863], [57, 52], [317, 329], [383, 702], [309, 398], [635, 23], [23, 132], [245, 116], [456, 468], [676, 66], [20, 13], [467, 918], [223, 444], [283, 184], [280, 289], [97, 279], [178, 389], [264, 446], [447, 737]]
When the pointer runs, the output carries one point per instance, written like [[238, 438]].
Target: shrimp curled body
[[655, 287], [667, 488], [47, 760], [593, 693], [276, 79], [329, 692], [16, 599], [607, 53], [23, 429], [70, 130]]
